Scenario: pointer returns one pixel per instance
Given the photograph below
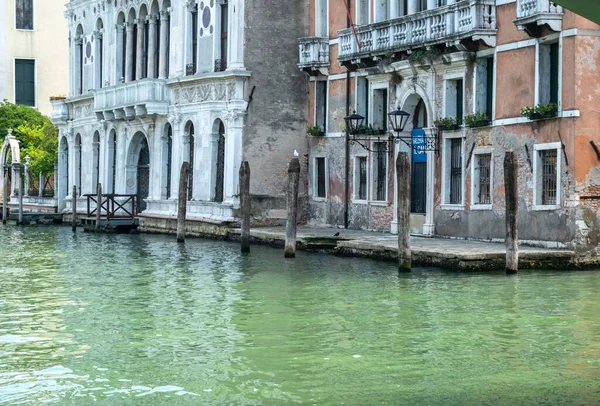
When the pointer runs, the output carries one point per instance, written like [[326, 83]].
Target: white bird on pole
[[296, 153]]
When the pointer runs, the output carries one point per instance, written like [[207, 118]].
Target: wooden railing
[[112, 206]]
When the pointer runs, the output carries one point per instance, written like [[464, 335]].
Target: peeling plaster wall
[[278, 111]]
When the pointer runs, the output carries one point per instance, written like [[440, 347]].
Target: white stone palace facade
[[156, 83]]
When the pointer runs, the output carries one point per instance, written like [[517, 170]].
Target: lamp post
[[353, 123]]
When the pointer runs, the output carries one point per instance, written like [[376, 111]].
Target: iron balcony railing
[[475, 19]]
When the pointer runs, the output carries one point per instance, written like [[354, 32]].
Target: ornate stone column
[[129, 53], [236, 36], [139, 60], [26, 174], [119, 77], [412, 6], [164, 46], [152, 46]]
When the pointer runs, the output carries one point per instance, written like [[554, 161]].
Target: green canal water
[[139, 319]]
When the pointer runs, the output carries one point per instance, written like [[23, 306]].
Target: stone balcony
[[133, 99], [533, 15], [461, 22], [314, 55]]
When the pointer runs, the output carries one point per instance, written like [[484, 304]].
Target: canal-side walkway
[[452, 254]]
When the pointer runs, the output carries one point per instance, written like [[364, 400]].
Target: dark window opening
[[381, 168], [24, 14], [321, 179], [456, 171], [362, 178]]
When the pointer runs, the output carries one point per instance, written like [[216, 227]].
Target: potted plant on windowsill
[[541, 111], [448, 123], [315, 131], [477, 120], [369, 130]]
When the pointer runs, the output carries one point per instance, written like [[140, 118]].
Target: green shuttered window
[[25, 82]]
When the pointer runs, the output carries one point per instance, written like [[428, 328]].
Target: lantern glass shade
[[353, 122], [398, 120]]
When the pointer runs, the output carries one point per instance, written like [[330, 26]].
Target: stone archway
[[9, 155], [138, 170]]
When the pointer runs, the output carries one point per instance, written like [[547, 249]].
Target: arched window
[[220, 162], [221, 60], [420, 117]]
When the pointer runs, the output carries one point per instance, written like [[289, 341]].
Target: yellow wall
[[47, 43]]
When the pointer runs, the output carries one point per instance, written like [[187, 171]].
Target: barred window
[[24, 14], [456, 171], [548, 162], [361, 178], [484, 178], [321, 177], [380, 175]]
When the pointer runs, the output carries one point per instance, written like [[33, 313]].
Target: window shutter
[[25, 82]]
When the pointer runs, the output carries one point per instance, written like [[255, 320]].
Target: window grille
[[380, 178], [548, 158], [321, 190], [484, 165], [456, 171], [362, 178]]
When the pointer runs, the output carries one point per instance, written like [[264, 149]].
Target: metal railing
[[112, 205]]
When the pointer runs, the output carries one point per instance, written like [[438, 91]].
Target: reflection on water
[[143, 320]]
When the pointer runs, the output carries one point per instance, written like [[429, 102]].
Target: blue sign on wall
[[419, 145]]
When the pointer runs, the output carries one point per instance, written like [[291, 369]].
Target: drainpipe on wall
[[347, 137]]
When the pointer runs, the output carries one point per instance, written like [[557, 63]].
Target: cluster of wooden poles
[[403, 196]]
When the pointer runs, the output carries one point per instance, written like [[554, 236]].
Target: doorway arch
[[138, 170]]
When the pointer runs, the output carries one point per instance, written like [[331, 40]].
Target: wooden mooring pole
[[512, 218], [74, 209], [292, 208], [403, 197], [98, 207], [5, 196], [20, 183], [245, 205], [184, 174]]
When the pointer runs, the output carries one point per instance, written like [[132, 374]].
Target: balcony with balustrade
[[537, 16], [130, 100], [467, 23], [314, 55]]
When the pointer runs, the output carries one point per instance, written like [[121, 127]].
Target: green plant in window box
[[477, 120], [370, 130], [315, 131], [448, 123], [540, 111]]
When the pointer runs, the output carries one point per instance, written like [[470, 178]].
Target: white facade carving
[[156, 83]]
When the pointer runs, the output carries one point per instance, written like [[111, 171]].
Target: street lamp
[[353, 122], [398, 119]]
